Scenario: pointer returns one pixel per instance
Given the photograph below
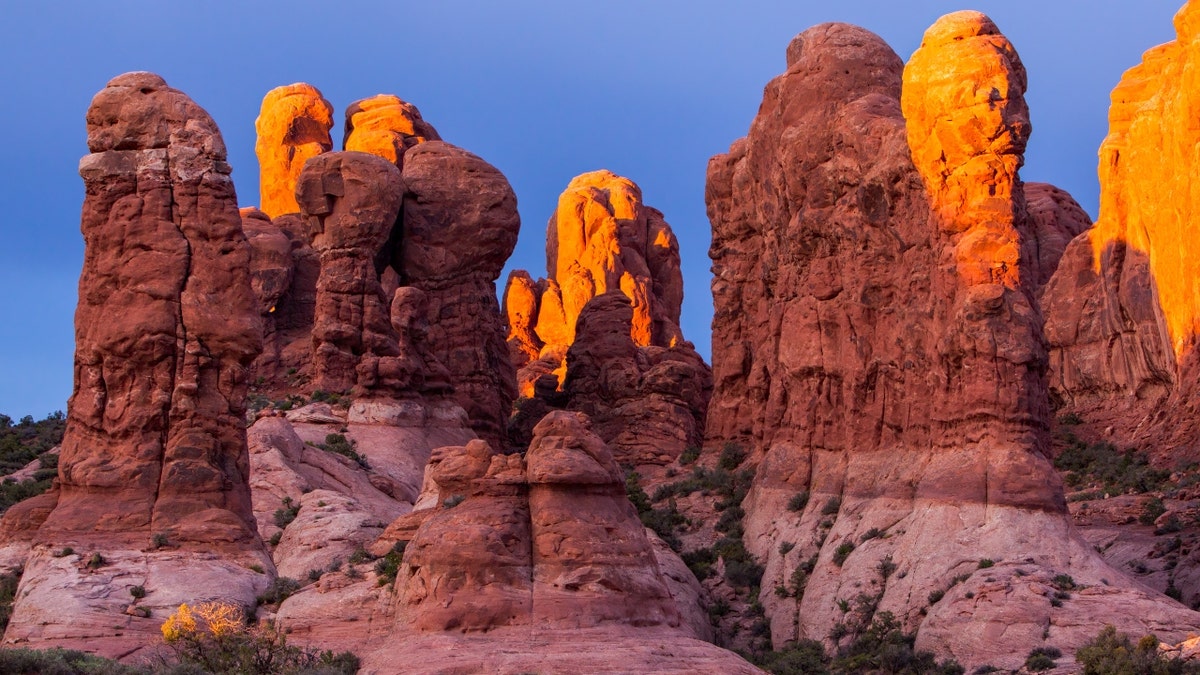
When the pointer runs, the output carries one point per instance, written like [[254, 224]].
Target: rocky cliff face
[[548, 546], [1122, 312], [878, 347], [153, 477], [645, 387], [440, 231], [601, 238]]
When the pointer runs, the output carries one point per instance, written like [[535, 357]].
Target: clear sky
[[543, 90]]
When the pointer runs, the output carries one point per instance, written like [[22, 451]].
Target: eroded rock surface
[[877, 346], [155, 447], [601, 238], [386, 126], [292, 127], [1123, 311]]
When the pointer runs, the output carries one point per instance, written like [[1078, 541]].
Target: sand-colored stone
[[293, 127]]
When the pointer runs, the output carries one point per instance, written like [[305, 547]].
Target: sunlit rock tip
[[386, 126], [293, 127]]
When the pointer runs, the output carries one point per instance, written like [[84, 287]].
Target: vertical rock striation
[[1123, 311], [878, 347], [166, 328]]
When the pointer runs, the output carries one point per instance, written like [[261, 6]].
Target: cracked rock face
[[877, 346]]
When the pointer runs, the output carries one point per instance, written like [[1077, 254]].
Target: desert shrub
[[1151, 511], [803, 657], [60, 662], [360, 555], [832, 506], [8, 593], [842, 552], [884, 647], [215, 637], [138, 592], [1113, 470], [1064, 582], [388, 566], [279, 590], [665, 522], [700, 561], [689, 455], [785, 547], [1042, 658], [986, 563], [340, 445], [96, 561], [885, 567], [732, 456], [872, 533], [27, 440], [936, 595], [798, 501], [287, 513], [1113, 653]]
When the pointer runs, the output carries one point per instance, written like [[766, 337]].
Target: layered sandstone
[[645, 388], [542, 551], [155, 447], [352, 200], [648, 402], [1123, 312], [878, 347], [460, 225], [292, 127]]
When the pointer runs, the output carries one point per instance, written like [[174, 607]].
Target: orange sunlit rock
[[293, 127], [386, 126], [963, 99], [1148, 161], [602, 237]]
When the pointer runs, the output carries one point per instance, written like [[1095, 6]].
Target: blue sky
[[543, 90]]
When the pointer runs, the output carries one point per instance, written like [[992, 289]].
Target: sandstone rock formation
[[1055, 218], [543, 550], [155, 448], [648, 402], [878, 348], [601, 238], [386, 126], [352, 200], [293, 127], [1123, 311], [644, 387], [460, 225]]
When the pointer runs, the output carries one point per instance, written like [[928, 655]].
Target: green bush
[[842, 552], [832, 506], [388, 566], [689, 455], [60, 662], [285, 515], [986, 563], [339, 444], [1113, 653], [798, 501], [279, 590], [1102, 464], [1042, 658], [1151, 511], [732, 456]]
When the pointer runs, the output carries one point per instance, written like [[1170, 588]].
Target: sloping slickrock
[[155, 442], [877, 346], [386, 126], [1123, 312], [460, 225], [293, 127]]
